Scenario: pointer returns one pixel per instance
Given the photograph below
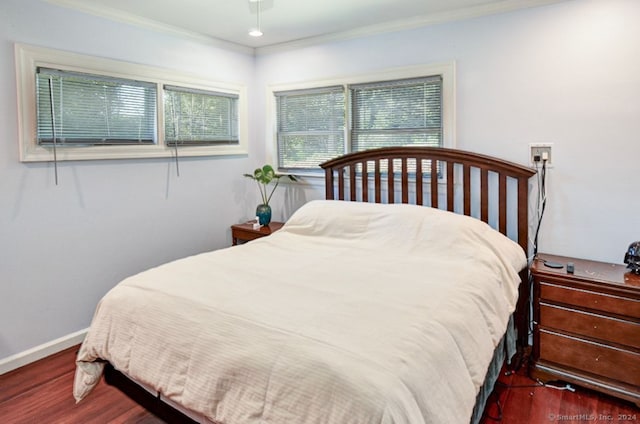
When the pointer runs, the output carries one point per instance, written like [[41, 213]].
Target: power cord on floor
[[519, 386]]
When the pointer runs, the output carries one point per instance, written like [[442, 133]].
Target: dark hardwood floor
[[42, 393], [519, 399]]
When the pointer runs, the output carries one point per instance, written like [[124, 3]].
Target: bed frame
[[491, 189], [455, 180]]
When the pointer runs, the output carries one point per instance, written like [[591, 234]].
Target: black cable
[[520, 386], [542, 198], [531, 325], [542, 177]]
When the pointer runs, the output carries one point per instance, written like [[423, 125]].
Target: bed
[[366, 307]]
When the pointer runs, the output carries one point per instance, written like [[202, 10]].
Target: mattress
[[351, 313]]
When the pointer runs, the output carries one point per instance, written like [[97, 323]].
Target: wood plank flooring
[[42, 393], [519, 399]]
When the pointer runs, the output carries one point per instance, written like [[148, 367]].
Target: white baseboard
[[28, 356]]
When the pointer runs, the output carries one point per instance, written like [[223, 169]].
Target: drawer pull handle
[[595, 327]]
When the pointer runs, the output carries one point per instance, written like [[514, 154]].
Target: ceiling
[[289, 21]]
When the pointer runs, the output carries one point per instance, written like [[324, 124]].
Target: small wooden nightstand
[[587, 325], [245, 231]]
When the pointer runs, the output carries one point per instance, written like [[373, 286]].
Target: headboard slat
[[341, 184], [365, 181], [352, 182], [450, 182], [523, 215], [466, 187], [391, 186], [502, 201], [434, 184], [419, 177], [484, 191], [378, 178], [328, 183], [405, 181]]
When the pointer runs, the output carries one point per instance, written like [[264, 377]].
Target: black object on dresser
[[587, 325]]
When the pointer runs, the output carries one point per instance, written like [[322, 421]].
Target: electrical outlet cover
[[540, 149]]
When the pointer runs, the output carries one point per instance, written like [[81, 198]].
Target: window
[[396, 113], [196, 117], [406, 107], [85, 107], [310, 127]]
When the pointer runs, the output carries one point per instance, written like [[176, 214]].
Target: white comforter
[[352, 313]]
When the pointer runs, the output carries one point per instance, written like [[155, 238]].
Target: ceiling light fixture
[[256, 32]]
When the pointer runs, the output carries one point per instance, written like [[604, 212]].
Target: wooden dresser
[[587, 325]]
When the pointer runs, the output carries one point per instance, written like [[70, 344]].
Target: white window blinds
[[311, 123], [396, 113], [310, 127], [84, 109], [198, 117]]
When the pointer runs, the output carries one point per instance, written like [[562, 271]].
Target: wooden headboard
[[450, 179], [491, 189]]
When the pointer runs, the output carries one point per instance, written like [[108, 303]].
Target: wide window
[[84, 109], [409, 107], [76, 107]]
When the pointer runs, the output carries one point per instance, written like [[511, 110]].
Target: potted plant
[[265, 176]]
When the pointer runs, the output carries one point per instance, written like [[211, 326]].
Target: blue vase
[[263, 212]]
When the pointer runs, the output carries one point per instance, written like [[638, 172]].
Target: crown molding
[[119, 16], [503, 6]]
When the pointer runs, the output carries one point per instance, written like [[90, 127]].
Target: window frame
[[446, 70], [30, 58]]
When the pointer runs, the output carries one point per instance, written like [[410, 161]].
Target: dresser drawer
[[592, 300], [595, 358], [591, 325]]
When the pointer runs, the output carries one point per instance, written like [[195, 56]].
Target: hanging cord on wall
[[177, 163], [540, 208], [542, 202], [175, 132], [53, 130]]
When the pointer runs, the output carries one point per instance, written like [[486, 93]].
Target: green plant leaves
[[264, 176]]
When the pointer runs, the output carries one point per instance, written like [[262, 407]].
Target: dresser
[[587, 325]]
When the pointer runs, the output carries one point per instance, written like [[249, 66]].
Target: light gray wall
[[567, 74], [62, 247]]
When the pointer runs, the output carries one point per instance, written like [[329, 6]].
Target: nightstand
[[245, 231], [587, 325]]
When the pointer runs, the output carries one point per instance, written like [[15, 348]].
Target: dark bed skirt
[[504, 352]]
